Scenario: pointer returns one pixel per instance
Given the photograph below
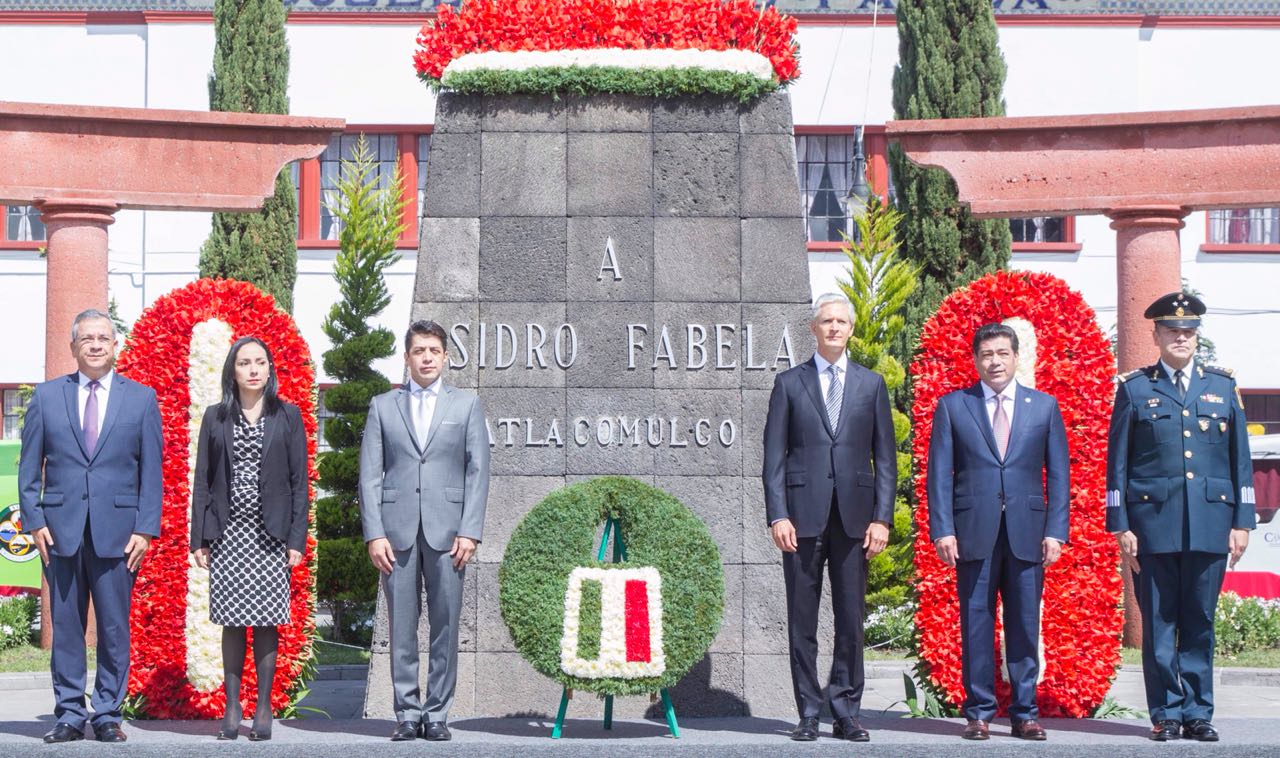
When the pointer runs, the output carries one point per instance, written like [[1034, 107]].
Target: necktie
[[1000, 426], [835, 394], [1179, 381], [90, 424], [422, 418]]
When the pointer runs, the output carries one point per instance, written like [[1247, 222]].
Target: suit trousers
[[846, 564], [73, 580], [403, 588], [1178, 595], [1019, 584]]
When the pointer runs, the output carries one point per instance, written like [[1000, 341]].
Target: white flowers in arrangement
[[732, 61], [612, 659], [209, 343]]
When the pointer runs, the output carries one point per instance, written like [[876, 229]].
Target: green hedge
[[562, 533], [585, 80]]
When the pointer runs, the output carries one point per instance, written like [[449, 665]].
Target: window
[[1262, 407], [1044, 234], [316, 180], [1038, 229], [323, 414], [14, 402], [825, 165], [22, 224], [1245, 226]]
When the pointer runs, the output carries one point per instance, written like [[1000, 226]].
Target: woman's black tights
[[266, 639]]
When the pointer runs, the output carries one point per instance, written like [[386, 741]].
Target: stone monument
[[621, 279]]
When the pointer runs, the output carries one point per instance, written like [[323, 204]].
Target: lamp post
[[859, 191]]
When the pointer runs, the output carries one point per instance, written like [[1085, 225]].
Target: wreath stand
[[619, 555]]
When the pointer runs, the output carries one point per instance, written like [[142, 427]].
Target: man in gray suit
[[424, 480]]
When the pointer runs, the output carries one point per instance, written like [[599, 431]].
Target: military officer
[[1180, 501]]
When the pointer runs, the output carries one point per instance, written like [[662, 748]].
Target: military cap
[[1180, 310]]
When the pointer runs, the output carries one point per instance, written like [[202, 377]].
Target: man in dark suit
[[1180, 501], [830, 472], [999, 488], [89, 482]]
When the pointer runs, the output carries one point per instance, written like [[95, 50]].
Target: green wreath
[[561, 534]]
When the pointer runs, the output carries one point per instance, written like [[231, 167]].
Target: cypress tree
[[949, 66], [371, 225], [251, 75]]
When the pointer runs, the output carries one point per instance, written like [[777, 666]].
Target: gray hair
[[831, 297], [92, 313]]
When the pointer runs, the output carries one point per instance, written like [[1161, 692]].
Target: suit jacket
[[970, 487], [1179, 473], [440, 487], [283, 482], [804, 462], [117, 490]]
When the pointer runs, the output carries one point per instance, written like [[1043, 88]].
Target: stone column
[[76, 279], [1148, 265]]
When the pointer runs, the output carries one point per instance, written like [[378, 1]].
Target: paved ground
[[1248, 709]]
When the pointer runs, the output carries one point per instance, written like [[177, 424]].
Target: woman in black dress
[[249, 519]]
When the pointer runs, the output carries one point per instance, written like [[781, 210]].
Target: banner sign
[[19, 559]]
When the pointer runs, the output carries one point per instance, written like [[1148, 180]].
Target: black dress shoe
[[1200, 730], [1163, 731], [436, 731], [849, 729], [260, 733], [406, 730], [805, 731], [110, 732], [63, 733]]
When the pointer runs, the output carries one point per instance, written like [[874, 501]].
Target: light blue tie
[[835, 394]]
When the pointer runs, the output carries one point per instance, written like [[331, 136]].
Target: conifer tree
[[370, 217], [879, 285], [251, 75], [949, 66]]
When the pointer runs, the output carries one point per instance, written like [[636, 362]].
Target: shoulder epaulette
[[1227, 372], [1130, 374]]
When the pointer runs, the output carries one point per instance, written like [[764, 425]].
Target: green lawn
[[1259, 659], [330, 654]]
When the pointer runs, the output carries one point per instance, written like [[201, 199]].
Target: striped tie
[[835, 393]]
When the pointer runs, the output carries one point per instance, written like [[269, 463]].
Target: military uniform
[[1180, 478]]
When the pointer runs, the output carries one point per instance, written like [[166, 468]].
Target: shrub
[[1246, 623], [890, 626], [16, 616]]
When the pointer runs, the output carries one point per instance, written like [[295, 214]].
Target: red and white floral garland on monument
[[1081, 616], [177, 348]]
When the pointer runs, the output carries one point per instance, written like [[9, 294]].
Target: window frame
[[1067, 245], [8, 244], [1209, 246], [309, 193], [875, 148], [4, 390]]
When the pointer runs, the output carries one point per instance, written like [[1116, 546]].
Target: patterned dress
[[248, 568]]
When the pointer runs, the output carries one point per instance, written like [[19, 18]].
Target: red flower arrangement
[[514, 25], [157, 355], [1081, 615]]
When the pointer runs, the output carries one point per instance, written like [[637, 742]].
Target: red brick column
[[1148, 265]]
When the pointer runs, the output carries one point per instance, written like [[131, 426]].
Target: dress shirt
[[422, 415], [824, 376], [1186, 373], [82, 397], [988, 396]]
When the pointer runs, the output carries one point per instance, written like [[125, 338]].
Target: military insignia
[[1222, 426], [1209, 397], [1153, 402], [1130, 374], [1204, 424], [1200, 371], [1181, 311]]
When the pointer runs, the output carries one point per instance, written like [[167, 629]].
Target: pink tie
[[1000, 425], [90, 427]]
